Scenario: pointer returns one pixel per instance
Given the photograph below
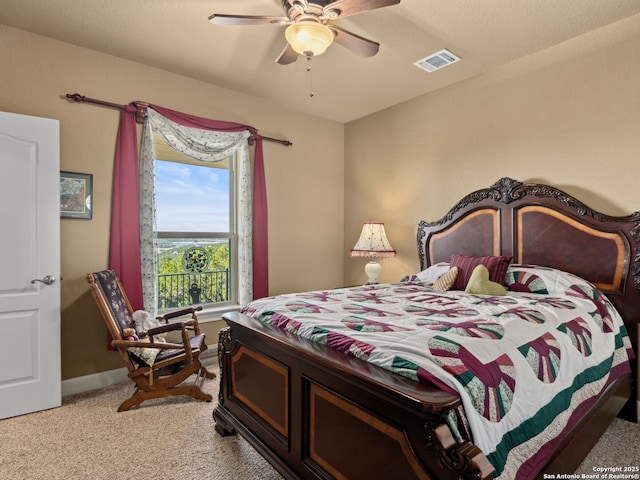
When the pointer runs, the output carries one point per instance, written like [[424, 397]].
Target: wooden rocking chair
[[163, 375]]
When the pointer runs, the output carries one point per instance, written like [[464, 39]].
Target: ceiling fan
[[309, 26]]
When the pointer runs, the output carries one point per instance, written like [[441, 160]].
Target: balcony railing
[[184, 289]]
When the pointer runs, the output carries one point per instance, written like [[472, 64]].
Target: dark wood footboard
[[316, 413]]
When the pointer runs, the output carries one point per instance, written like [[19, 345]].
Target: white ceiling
[[175, 35]]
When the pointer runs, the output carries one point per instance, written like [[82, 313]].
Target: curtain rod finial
[[76, 97]]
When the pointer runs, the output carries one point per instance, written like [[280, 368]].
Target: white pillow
[[432, 273]]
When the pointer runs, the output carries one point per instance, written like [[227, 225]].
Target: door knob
[[48, 280]]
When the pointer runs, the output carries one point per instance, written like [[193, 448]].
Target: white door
[[29, 264]]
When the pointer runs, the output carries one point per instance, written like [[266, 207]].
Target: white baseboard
[[93, 381], [110, 377]]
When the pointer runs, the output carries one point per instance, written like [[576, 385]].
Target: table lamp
[[373, 243]]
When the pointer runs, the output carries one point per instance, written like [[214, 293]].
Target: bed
[[320, 401]]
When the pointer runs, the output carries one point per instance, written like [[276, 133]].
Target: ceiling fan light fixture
[[309, 38]]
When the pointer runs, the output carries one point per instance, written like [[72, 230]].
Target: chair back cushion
[[116, 301]]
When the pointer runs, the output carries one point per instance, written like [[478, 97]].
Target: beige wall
[[305, 217], [568, 116]]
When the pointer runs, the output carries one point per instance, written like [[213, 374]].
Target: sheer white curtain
[[207, 146]]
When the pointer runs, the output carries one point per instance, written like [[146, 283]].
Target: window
[[195, 232], [235, 230]]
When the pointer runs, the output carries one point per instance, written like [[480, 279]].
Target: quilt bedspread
[[525, 365]]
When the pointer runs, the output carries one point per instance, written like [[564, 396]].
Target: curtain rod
[[141, 112]]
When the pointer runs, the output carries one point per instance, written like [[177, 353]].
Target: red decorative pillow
[[497, 267]]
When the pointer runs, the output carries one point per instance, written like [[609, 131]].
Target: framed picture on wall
[[76, 190]]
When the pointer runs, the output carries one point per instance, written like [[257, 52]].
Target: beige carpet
[[171, 439], [163, 439]]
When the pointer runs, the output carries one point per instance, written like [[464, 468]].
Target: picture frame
[[76, 195]]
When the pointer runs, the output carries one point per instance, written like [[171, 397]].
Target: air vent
[[437, 61]]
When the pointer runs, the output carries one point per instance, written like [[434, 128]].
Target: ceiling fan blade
[[223, 19], [345, 8], [355, 43], [288, 55]]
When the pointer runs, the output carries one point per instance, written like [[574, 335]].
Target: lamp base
[[372, 269]]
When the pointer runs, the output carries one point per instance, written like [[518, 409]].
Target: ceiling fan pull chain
[[311, 94]]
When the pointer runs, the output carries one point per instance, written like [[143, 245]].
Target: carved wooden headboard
[[542, 225]]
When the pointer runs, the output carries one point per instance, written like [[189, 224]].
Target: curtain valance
[[202, 144]]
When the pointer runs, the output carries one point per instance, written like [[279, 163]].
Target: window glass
[[192, 198], [194, 233]]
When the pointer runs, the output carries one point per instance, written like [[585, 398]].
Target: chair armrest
[[170, 327], [193, 325], [128, 344], [178, 313], [183, 327]]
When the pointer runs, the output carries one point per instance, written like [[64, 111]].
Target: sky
[[191, 198]]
